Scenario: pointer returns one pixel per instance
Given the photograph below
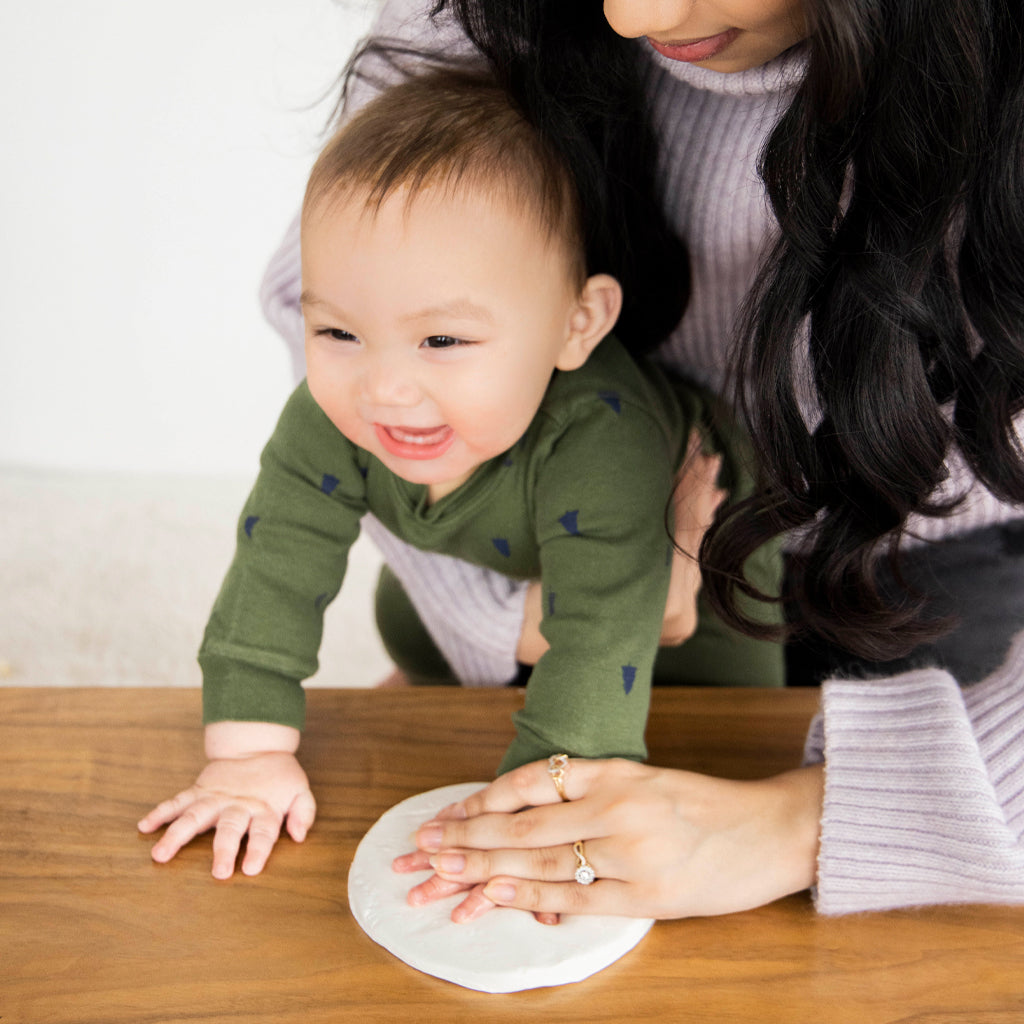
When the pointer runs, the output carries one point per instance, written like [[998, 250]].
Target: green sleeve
[[293, 540], [605, 559]]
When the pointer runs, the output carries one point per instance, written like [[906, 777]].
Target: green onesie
[[578, 502]]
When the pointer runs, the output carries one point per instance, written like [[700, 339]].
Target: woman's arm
[[924, 802]]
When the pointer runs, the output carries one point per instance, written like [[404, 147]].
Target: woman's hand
[[243, 790], [695, 497], [663, 843]]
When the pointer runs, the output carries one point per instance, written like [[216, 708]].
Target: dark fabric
[[979, 578]]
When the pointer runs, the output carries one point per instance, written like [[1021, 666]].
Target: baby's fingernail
[[429, 838], [463, 915], [500, 892], [449, 863]]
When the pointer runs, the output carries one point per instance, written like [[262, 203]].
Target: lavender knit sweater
[[924, 799]]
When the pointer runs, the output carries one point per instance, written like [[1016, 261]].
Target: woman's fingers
[[522, 808], [605, 896], [494, 818], [528, 786], [548, 864], [535, 828]]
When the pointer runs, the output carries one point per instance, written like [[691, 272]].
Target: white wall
[[152, 155]]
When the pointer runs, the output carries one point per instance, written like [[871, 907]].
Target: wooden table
[[92, 932]]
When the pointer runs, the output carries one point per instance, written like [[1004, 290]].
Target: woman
[[879, 365]]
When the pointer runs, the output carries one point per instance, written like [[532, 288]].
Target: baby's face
[[432, 328]]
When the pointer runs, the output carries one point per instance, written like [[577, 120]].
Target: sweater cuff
[[234, 692], [911, 813]]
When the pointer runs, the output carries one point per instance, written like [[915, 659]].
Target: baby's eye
[[336, 334], [442, 341]]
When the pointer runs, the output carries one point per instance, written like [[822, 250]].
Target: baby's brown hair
[[446, 129]]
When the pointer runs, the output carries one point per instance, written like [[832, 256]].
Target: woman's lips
[[415, 442], [698, 49]]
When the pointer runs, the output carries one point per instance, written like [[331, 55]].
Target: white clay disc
[[503, 951]]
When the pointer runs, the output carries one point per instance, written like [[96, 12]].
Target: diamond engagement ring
[[585, 874], [558, 765]]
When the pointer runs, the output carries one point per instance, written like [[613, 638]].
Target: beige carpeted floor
[[107, 581]]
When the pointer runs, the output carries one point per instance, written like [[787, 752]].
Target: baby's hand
[[252, 794]]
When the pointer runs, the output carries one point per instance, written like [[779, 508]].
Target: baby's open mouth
[[415, 442], [419, 435]]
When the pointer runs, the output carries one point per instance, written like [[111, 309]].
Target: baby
[[463, 388]]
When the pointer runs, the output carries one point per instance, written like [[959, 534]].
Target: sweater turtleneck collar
[[782, 74]]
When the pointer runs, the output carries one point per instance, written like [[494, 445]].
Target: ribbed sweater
[[924, 799]]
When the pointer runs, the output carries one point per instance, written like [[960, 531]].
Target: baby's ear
[[593, 317]]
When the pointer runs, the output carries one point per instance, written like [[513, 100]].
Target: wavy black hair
[[894, 295], [584, 91]]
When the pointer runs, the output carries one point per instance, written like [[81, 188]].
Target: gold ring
[[585, 873], [558, 765]]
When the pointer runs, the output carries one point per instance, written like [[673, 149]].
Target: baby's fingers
[[434, 888], [301, 815], [166, 811], [196, 818], [264, 831], [418, 860]]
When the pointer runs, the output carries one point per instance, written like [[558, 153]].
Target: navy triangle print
[[570, 522], [628, 678]]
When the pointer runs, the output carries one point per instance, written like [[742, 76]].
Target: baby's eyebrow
[[307, 298], [460, 309]]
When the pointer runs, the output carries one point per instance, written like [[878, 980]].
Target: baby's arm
[[695, 497], [261, 640], [251, 785]]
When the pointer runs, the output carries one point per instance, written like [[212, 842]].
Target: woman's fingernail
[[429, 837], [449, 863], [500, 892]]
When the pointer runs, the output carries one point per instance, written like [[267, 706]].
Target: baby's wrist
[[234, 740]]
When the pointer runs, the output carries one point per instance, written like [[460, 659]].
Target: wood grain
[[92, 932]]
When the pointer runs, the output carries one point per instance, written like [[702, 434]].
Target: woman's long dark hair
[[895, 292], [584, 91]]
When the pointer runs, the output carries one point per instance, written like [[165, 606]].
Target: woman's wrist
[[802, 793]]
